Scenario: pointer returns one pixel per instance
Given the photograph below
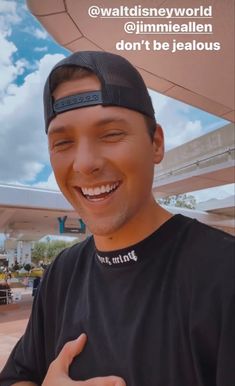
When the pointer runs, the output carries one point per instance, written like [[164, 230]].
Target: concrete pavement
[[13, 321]]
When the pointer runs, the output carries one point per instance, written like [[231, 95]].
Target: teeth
[[102, 189], [99, 189]]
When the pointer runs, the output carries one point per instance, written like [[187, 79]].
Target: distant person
[[5, 293], [148, 300], [36, 282], [7, 275], [26, 282]]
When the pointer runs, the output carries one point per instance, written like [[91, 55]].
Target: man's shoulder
[[76, 251], [72, 258], [195, 236], [206, 236], [207, 254]]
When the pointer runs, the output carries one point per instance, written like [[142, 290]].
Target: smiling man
[[149, 295]]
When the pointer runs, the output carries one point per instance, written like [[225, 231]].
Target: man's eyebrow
[[56, 130], [108, 120], [100, 123]]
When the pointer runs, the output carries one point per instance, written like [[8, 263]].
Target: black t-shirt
[[158, 313]]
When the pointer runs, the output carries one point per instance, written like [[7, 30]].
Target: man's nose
[[87, 158]]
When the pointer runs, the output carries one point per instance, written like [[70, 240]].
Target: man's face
[[103, 160]]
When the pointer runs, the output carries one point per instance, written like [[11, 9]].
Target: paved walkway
[[13, 320]]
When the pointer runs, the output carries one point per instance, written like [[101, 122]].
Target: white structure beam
[[202, 163]]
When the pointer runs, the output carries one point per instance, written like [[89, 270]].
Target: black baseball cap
[[121, 85]]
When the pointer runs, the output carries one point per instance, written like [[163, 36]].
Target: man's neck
[[136, 230]]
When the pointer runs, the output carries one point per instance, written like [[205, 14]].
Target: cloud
[[174, 116], [9, 69], [158, 100], [38, 33], [23, 143], [41, 49], [7, 6], [8, 16], [49, 184]]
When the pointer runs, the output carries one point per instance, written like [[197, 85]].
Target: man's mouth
[[99, 192]]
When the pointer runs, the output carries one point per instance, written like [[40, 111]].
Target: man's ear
[[158, 144]]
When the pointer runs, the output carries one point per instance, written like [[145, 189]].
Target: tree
[[27, 267], [179, 200], [55, 247], [47, 251], [38, 252]]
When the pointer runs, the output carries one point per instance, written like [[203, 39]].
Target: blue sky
[[27, 55]]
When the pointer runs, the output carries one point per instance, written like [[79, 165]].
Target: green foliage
[[16, 267], [47, 251], [27, 267], [39, 252], [55, 247], [179, 200]]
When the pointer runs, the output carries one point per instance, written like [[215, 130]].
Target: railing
[[5, 295]]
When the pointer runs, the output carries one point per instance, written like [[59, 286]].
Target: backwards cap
[[121, 85]]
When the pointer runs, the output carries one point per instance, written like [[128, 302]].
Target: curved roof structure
[[202, 78]]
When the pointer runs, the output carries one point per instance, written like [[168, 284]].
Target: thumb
[[70, 350]]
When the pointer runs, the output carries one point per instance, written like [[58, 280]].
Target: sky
[[27, 53]]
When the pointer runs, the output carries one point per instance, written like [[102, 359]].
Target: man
[[148, 299]]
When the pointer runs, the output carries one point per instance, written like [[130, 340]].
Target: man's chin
[[103, 229], [105, 225]]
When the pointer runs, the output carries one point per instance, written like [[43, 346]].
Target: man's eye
[[62, 143], [112, 135]]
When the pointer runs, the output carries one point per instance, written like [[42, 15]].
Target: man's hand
[[57, 374]]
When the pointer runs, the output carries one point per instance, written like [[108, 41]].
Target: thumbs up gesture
[[57, 374]]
